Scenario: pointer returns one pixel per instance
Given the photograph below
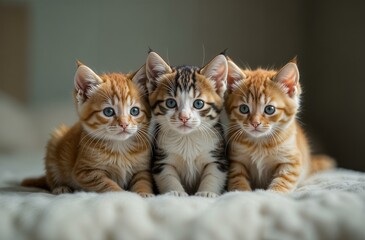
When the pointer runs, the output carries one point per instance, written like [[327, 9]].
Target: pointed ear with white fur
[[288, 78], [140, 79], [217, 71], [235, 75], [85, 82], [155, 68]]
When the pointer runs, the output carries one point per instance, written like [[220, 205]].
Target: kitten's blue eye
[[244, 109], [109, 112], [269, 109], [198, 104], [171, 103], [134, 111]]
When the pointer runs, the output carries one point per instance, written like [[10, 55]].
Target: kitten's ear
[[288, 78], [217, 71], [235, 74], [140, 79], [294, 60], [155, 67], [85, 82], [78, 63]]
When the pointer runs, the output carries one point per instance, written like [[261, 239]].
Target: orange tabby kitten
[[266, 145], [109, 148]]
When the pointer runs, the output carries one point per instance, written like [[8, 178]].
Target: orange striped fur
[[103, 151], [266, 149]]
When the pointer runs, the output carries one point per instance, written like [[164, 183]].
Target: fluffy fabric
[[329, 205]]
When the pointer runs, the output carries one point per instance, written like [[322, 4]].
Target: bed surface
[[329, 205]]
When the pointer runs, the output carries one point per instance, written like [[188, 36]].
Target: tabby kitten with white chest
[[267, 146], [189, 146]]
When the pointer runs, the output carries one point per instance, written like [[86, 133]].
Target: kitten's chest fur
[[261, 162], [189, 154], [119, 159], [187, 146], [122, 161]]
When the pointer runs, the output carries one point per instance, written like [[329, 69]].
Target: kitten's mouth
[[124, 132], [120, 136], [257, 132], [185, 128]]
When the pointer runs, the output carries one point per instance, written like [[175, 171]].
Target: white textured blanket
[[330, 205]]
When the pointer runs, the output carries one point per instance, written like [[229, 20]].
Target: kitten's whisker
[[147, 134], [204, 131], [213, 130], [91, 137], [232, 137], [90, 140], [141, 140], [203, 55], [167, 56]]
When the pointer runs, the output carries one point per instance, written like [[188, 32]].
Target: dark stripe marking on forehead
[[185, 78]]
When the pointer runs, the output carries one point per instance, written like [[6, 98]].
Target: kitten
[[267, 147], [189, 145], [109, 148]]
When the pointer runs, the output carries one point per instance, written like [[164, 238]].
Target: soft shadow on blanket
[[13, 186]]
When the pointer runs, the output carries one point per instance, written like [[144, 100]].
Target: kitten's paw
[[278, 189], [177, 194], [240, 190], [61, 190], [146, 195], [206, 194]]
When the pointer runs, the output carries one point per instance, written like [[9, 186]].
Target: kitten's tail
[[39, 182], [321, 163]]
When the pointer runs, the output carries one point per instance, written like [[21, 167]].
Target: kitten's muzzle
[[124, 128], [255, 124], [184, 119], [123, 125]]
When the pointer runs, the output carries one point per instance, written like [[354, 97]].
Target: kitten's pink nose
[[124, 125], [255, 124], [184, 119]]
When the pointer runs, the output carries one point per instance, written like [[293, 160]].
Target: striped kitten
[[109, 148], [189, 146], [266, 145]]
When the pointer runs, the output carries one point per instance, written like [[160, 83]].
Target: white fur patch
[[189, 153]]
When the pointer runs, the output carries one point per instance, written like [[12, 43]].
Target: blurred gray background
[[40, 41]]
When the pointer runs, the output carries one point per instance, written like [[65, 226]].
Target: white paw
[[61, 190], [177, 194], [146, 195], [206, 194]]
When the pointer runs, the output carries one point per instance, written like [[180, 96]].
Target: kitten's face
[[186, 101], [183, 98], [114, 108], [263, 102]]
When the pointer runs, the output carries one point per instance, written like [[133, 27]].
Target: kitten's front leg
[[213, 180], [96, 180], [238, 177], [286, 177], [141, 183], [168, 180]]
